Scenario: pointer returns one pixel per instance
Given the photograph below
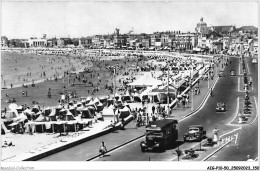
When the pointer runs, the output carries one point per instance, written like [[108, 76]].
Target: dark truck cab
[[160, 134], [196, 133]]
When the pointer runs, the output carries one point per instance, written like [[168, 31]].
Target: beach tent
[[58, 108], [88, 99], [147, 91], [100, 107], [62, 111], [136, 97], [72, 109], [40, 118], [110, 102], [102, 98], [108, 111], [96, 100], [92, 110], [91, 103], [164, 89], [79, 104], [52, 115], [69, 116], [118, 104], [83, 101], [71, 103], [126, 97], [4, 130], [125, 112], [86, 114], [146, 80], [47, 111]]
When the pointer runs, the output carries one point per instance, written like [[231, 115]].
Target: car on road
[[160, 134], [254, 61], [232, 73], [221, 107], [221, 74], [196, 133]]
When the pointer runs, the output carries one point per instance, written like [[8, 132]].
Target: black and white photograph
[[146, 84]]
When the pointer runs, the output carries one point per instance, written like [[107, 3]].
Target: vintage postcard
[[129, 82]]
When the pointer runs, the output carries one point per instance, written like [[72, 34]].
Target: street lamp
[[191, 85], [168, 86], [114, 92]]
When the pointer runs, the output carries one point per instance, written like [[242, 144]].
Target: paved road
[[224, 91], [247, 144]]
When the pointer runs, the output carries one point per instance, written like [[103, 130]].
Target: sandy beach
[[20, 68]]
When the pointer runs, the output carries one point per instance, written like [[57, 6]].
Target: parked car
[[232, 73], [196, 133], [221, 107], [254, 61]]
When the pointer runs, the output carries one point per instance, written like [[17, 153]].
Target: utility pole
[[114, 92], [168, 86], [208, 79], [191, 85]]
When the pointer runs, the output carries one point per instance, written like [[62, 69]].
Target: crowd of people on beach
[[124, 70]]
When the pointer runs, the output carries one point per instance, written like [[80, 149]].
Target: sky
[[78, 19]]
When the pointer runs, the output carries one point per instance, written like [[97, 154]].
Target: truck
[[196, 133], [160, 135]]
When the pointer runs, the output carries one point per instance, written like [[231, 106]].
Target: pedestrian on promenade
[[23, 93], [186, 101], [153, 109], [11, 85], [30, 129], [183, 103], [102, 149]]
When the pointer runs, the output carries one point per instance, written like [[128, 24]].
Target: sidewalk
[[43, 142], [88, 150]]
